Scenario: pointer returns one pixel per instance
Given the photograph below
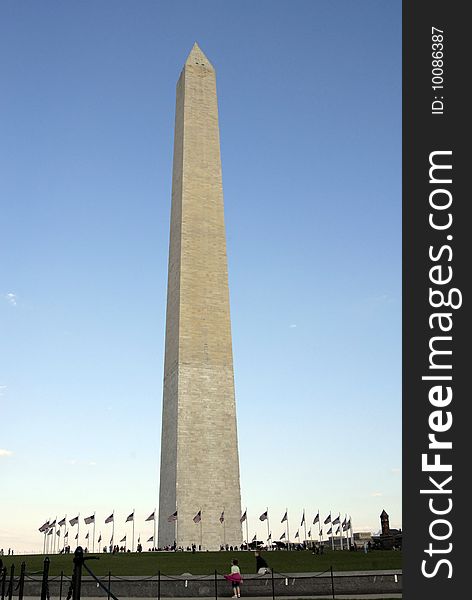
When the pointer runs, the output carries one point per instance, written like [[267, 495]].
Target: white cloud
[[3, 389], [292, 326], [377, 494], [80, 463], [11, 298], [4, 452]]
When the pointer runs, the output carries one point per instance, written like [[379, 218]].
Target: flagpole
[[93, 541], [176, 525], [319, 526], [176, 529], [224, 528], [154, 536], [113, 528], [268, 529], [247, 531], [132, 544], [332, 535], [78, 528], [64, 540], [351, 529], [201, 531], [348, 545], [54, 541], [340, 532], [304, 523], [288, 534]]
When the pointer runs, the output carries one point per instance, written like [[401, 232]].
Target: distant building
[[389, 539], [362, 537]]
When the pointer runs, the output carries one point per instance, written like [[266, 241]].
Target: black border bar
[[437, 269]]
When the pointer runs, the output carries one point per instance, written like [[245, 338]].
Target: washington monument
[[199, 498]]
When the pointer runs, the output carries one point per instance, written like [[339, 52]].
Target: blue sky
[[310, 115]]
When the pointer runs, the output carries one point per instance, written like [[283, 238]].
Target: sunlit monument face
[[199, 448]]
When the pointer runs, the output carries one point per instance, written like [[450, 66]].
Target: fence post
[[216, 585], [44, 583], [332, 580], [77, 575], [4, 579], [12, 578], [273, 586], [21, 584], [159, 585], [109, 584], [60, 585]]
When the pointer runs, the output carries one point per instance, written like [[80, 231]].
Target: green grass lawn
[[201, 563]]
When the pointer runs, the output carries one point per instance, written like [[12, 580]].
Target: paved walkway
[[338, 597]]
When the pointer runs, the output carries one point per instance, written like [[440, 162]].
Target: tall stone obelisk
[[199, 446]]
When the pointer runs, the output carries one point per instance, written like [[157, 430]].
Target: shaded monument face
[[199, 449]]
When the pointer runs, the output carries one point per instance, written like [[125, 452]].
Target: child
[[236, 579]]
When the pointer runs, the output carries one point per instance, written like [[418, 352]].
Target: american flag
[[328, 519], [198, 517], [222, 517], [173, 517], [74, 521], [284, 518], [89, 520], [44, 527], [130, 517], [109, 519], [151, 517], [243, 517], [263, 517]]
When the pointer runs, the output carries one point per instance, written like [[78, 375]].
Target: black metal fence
[[84, 583]]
